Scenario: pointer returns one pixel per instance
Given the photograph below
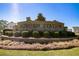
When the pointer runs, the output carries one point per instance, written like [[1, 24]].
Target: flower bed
[[13, 45]]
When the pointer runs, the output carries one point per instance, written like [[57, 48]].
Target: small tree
[[28, 19], [40, 17]]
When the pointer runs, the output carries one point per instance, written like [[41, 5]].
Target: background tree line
[[3, 23]]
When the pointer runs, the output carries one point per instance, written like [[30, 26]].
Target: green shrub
[[9, 33], [56, 34], [66, 34], [30, 33], [41, 33], [17, 34], [46, 34], [35, 34], [52, 33], [70, 34], [25, 33], [63, 33], [6, 33]]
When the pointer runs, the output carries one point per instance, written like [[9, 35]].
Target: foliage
[[71, 34], [2, 24], [28, 19], [17, 34], [41, 33], [30, 33], [9, 33], [52, 33], [56, 34], [25, 33], [35, 34], [66, 34], [6, 30], [63, 33], [40, 17], [46, 34]]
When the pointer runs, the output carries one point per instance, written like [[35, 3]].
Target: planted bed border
[[36, 40]]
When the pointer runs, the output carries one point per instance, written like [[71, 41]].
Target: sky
[[68, 13]]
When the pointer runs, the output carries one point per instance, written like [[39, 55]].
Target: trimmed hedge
[[9, 33], [62, 34], [55, 34], [17, 34], [25, 33], [71, 34], [46, 34], [41, 33], [35, 34]]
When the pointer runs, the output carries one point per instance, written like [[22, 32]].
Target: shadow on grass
[[43, 49]]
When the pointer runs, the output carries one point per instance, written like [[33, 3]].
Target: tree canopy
[[3, 23], [40, 17]]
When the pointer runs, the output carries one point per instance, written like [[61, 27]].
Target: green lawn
[[64, 52]]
